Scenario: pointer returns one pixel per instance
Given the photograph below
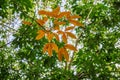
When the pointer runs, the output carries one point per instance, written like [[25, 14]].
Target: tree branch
[[76, 43]]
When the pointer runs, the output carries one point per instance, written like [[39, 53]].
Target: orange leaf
[[45, 19], [42, 12], [55, 22], [54, 13], [40, 22], [50, 50], [71, 47], [60, 54], [60, 32], [76, 23], [45, 48], [62, 14], [54, 47], [51, 14], [75, 16], [40, 35], [56, 10], [59, 23], [56, 36], [71, 35], [69, 28], [49, 47], [64, 38], [26, 23], [66, 55], [56, 28], [49, 36]]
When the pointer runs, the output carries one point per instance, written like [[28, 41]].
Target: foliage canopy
[[85, 32]]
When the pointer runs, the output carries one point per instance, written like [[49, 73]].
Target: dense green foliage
[[21, 56]]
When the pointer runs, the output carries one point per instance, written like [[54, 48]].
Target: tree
[[96, 36]]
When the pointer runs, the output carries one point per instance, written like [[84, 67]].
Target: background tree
[[98, 55]]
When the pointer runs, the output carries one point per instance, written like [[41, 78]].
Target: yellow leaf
[[64, 38], [40, 35], [69, 28], [26, 23], [54, 47], [71, 47], [76, 23], [49, 36], [66, 55], [71, 35], [56, 36]]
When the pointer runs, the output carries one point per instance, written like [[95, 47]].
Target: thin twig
[[76, 43]]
